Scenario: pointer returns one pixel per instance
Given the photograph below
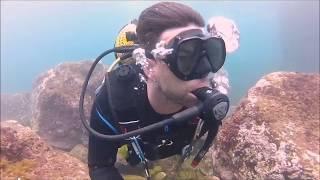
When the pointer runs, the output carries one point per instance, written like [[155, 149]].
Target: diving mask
[[194, 54]]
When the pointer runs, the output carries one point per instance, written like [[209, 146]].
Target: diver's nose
[[203, 68]]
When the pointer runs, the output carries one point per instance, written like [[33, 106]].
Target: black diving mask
[[195, 54]]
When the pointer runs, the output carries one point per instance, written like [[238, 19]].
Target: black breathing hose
[[85, 84]]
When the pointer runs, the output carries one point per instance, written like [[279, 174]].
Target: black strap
[[125, 92], [110, 103]]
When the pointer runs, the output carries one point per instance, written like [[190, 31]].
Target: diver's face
[[172, 87]]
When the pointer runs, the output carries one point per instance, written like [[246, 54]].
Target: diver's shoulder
[[125, 87], [126, 72]]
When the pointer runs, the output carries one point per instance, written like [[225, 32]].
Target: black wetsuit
[[133, 110]]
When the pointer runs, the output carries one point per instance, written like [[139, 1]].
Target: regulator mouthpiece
[[216, 104]]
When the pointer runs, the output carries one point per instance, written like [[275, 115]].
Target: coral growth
[[19, 169]]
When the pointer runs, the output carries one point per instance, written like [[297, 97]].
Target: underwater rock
[[133, 177], [16, 106], [160, 176], [274, 132], [19, 142], [226, 29], [81, 152], [171, 168], [25, 155], [55, 103]]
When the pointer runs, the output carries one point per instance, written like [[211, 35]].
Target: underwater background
[[36, 36]]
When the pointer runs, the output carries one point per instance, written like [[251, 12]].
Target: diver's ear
[[149, 69]]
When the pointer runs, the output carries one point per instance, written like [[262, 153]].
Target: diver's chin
[[188, 100]]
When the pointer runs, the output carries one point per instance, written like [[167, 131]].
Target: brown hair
[[162, 16]]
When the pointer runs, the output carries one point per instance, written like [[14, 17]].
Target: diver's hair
[[162, 16]]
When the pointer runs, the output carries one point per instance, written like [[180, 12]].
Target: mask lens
[[188, 54], [216, 51]]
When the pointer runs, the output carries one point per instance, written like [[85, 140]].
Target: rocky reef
[[25, 155], [55, 103], [274, 132]]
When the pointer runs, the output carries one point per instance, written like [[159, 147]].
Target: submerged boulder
[[274, 132], [55, 103], [16, 106], [80, 152], [25, 155]]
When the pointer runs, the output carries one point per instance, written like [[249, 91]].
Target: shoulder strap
[[123, 85]]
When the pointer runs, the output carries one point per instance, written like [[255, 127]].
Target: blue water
[[36, 36]]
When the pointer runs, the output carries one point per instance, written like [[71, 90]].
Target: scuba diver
[[164, 75]]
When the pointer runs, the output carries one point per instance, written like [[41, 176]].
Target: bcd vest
[[132, 110]]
